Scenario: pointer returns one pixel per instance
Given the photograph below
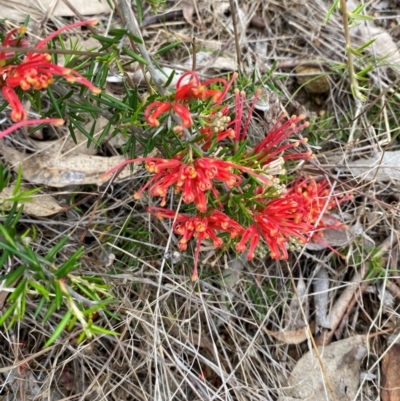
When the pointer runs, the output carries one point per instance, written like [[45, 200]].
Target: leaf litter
[[241, 324]]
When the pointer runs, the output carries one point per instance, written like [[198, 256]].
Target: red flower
[[199, 227], [195, 89], [14, 127], [156, 109], [318, 200], [250, 234], [192, 180], [280, 222], [272, 146], [291, 219], [35, 71]]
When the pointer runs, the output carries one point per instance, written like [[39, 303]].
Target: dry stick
[[350, 296], [24, 50], [353, 80], [312, 340], [194, 53], [235, 31], [133, 27]]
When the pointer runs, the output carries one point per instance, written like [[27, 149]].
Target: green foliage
[[355, 59], [46, 281], [49, 283]]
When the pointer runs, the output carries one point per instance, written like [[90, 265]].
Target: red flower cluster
[[193, 89], [274, 146], [192, 180], [201, 228], [290, 219], [35, 71], [283, 217]]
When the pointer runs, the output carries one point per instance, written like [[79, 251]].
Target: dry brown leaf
[[289, 337], [321, 299], [40, 205], [390, 374], [383, 48], [67, 146], [341, 361], [46, 168], [188, 11], [383, 167], [19, 9], [208, 59], [298, 305], [336, 238], [138, 77]]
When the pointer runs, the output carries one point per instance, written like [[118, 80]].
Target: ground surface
[[240, 332]]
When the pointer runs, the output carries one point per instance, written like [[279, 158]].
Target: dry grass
[[212, 340]]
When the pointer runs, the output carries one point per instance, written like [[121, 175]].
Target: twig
[[50, 51], [133, 27], [235, 32], [350, 64]]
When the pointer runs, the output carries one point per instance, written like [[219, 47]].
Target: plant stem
[[353, 79], [133, 27]]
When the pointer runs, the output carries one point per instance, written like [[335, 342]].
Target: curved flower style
[[279, 222], [14, 127], [195, 89], [156, 109], [199, 227], [18, 112], [273, 146], [8, 41], [35, 71]]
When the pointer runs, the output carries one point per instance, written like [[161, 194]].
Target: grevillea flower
[[195, 89], [292, 218], [318, 200], [216, 127], [191, 180], [274, 146], [156, 109], [280, 222], [199, 227], [35, 71], [185, 91], [9, 41], [14, 127]]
